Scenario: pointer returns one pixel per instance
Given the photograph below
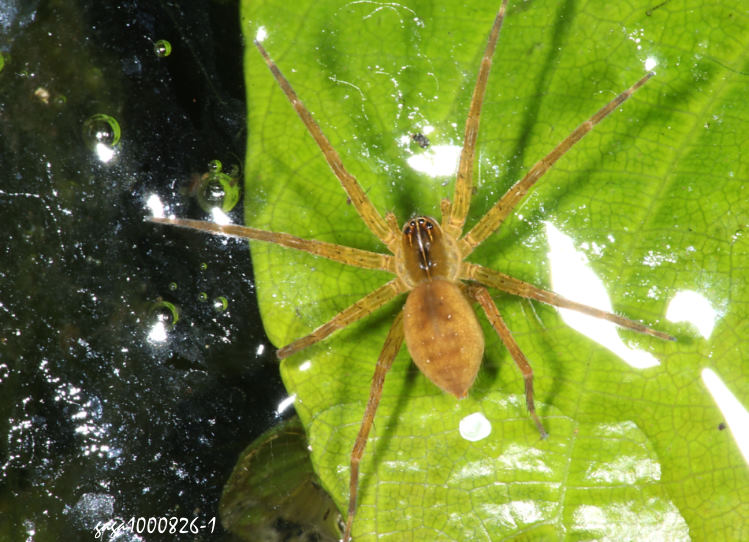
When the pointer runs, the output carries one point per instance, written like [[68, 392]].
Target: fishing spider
[[428, 259]]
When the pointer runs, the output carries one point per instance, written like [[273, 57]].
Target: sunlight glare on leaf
[[689, 306], [737, 417], [572, 277], [659, 520], [285, 403], [437, 161]]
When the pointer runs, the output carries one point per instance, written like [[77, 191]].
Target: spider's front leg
[[365, 306], [454, 220], [497, 214]]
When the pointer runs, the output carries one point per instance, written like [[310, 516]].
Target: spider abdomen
[[443, 335]]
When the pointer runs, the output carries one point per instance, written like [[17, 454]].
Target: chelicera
[[428, 259]]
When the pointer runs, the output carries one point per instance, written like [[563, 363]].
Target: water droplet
[[220, 304], [202, 296], [215, 166], [101, 131], [162, 48], [203, 266], [173, 286]]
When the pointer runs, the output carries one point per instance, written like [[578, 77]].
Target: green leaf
[[655, 197]]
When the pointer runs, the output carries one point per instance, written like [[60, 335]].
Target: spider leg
[[366, 305], [391, 347], [481, 294], [454, 221], [499, 212], [338, 253], [511, 285], [368, 213]]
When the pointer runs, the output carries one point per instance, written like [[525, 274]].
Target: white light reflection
[[660, 520], [650, 63], [736, 415], [515, 514], [261, 34], [475, 427], [285, 404], [572, 277], [436, 161], [220, 217], [689, 306], [157, 334], [155, 205], [104, 152]]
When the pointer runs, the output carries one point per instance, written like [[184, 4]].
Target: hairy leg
[[338, 253], [481, 294], [499, 212], [453, 222], [366, 305], [368, 213], [393, 343], [511, 285]]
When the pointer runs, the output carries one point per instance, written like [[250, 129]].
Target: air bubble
[[101, 130], [162, 48], [218, 188], [220, 304], [164, 312]]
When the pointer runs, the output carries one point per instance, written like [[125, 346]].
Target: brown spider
[[428, 259]]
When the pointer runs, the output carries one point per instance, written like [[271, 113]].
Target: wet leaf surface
[[655, 199]]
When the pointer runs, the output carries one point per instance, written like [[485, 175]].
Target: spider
[[428, 259]]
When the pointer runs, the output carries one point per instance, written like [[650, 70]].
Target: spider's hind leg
[[390, 349], [481, 294]]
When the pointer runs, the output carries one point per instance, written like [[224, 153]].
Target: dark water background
[[96, 420]]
